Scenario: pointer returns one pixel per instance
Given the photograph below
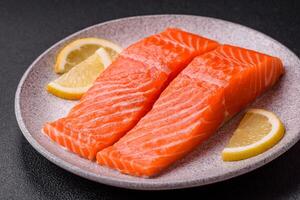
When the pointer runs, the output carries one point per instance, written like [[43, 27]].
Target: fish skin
[[208, 92], [126, 91]]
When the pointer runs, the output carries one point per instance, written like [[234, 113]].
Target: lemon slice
[[258, 131], [73, 84], [80, 49]]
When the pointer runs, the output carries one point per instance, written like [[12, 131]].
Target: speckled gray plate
[[34, 106]]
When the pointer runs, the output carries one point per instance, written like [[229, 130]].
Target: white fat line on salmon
[[184, 131], [163, 127], [167, 103], [176, 43], [93, 125], [135, 92], [111, 102], [150, 63], [173, 114], [170, 111]]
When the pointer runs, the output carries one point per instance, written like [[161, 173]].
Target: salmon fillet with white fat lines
[[125, 91], [213, 88]]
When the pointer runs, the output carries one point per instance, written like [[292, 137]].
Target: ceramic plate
[[34, 106]]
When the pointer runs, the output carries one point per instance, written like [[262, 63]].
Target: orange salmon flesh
[[126, 91], [210, 90]]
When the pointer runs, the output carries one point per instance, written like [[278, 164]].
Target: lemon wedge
[[80, 49], [258, 131], [73, 84]]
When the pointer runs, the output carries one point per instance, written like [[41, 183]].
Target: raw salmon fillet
[[125, 91], [210, 90]]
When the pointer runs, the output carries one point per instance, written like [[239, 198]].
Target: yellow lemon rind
[[66, 92], [64, 52], [272, 138]]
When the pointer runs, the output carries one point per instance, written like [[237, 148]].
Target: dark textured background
[[27, 28]]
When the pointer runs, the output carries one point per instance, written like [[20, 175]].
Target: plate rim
[[133, 184]]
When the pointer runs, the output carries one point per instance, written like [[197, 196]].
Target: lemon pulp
[[74, 83], [258, 131]]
